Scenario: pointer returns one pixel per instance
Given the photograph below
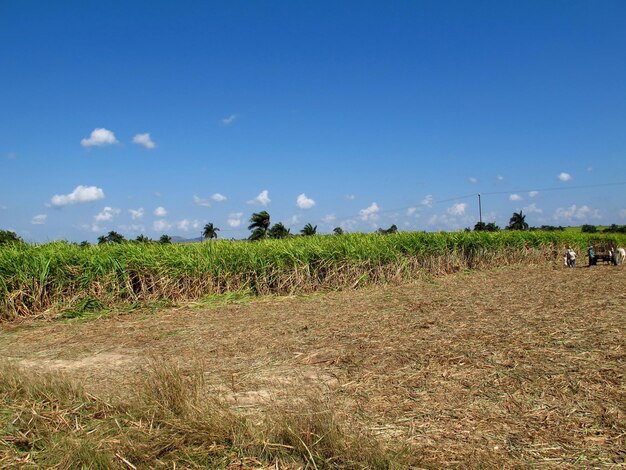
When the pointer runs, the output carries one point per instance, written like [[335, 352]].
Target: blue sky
[[157, 117]]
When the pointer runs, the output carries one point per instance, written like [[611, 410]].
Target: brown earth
[[509, 367]]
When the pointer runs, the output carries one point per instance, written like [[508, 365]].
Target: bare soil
[[509, 367]]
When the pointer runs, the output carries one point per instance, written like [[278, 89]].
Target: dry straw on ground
[[512, 367]]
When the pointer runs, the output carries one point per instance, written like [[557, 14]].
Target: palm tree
[[165, 239], [142, 239], [278, 231], [308, 230], [338, 231], [210, 231], [518, 222], [259, 224]]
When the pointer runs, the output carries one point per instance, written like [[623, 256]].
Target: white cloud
[[295, 219], [473, 180], [329, 219], [145, 140], [304, 202], [457, 209], [198, 201], [234, 219], [217, 197], [350, 197], [160, 211], [564, 176], [136, 213], [370, 213], [107, 214], [533, 193], [80, 194], [39, 219], [532, 209], [500, 178], [574, 212], [227, 121], [262, 199], [428, 200], [161, 225], [622, 213], [99, 137], [413, 211], [95, 228], [183, 225], [515, 197]]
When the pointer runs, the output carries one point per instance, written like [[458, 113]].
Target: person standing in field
[[571, 257]]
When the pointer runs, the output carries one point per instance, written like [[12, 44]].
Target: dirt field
[[511, 367]]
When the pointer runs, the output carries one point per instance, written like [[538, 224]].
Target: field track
[[506, 367]]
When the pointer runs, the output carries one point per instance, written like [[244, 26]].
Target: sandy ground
[[521, 365]]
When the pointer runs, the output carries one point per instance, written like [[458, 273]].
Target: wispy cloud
[[329, 219], [10, 155], [622, 213], [500, 178], [515, 197], [99, 137], [532, 209], [262, 199], [145, 140], [411, 210], [183, 225], [39, 219], [564, 176], [160, 211], [132, 228], [106, 214], [428, 200], [161, 225], [533, 193], [457, 209], [227, 121], [574, 212], [80, 194], [304, 202], [473, 179], [198, 201], [217, 197], [370, 213], [136, 213], [234, 219], [350, 197]]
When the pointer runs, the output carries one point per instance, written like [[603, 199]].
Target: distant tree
[[111, 237], [390, 230], [492, 227], [549, 228], [84, 244], [615, 229], [143, 239], [338, 231], [308, 230], [7, 237], [518, 221], [480, 227], [210, 231], [165, 239], [259, 224], [589, 228], [278, 230]]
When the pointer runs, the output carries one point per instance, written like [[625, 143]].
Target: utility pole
[[480, 210]]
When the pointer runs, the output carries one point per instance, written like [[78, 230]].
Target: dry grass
[[515, 367]]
